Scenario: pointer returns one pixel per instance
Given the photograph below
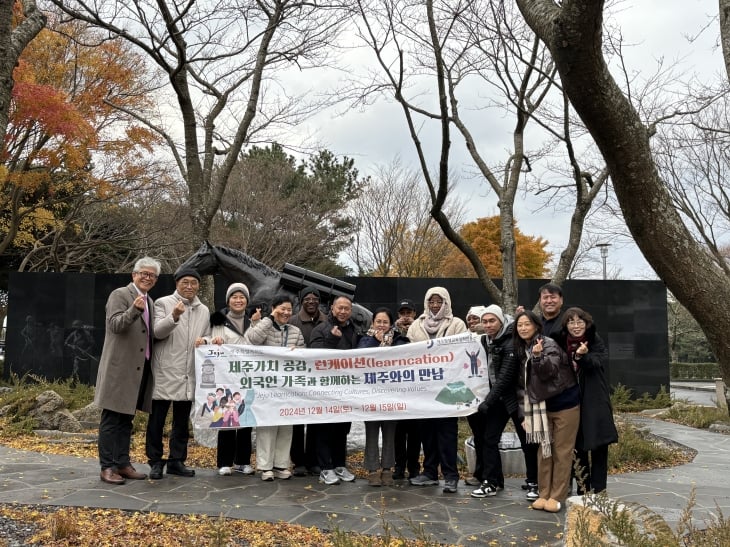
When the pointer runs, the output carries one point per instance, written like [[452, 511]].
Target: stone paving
[[33, 478]]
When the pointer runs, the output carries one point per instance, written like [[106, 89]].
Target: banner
[[249, 386]]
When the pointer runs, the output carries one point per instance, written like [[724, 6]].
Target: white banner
[[248, 386]]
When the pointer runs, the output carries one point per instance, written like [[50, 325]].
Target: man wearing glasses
[[181, 324], [303, 454], [124, 380]]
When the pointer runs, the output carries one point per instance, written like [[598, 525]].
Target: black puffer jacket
[[597, 427], [505, 369]]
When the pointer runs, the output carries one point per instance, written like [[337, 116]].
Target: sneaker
[[299, 471], [423, 480], [314, 471], [224, 471], [344, 474], [328, 476], [532, 493], [486, 490], [282, 474], [267, 475], [245, 469], [450, 486], [398, 474]]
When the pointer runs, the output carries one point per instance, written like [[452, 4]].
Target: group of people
[[545, 374]]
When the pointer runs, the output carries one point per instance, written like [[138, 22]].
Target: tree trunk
[[12, 44], [573, 32]]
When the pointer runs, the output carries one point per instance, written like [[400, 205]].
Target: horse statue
[[264, 282]]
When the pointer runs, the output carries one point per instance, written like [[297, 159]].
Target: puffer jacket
[[506, 370], [173, 364], [221, 326], [268, 332]]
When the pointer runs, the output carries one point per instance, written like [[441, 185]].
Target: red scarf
[[573, 344]]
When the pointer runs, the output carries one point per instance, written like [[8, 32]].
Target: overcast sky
[[653, 28]]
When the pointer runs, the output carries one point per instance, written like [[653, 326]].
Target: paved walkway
[[33, 478]]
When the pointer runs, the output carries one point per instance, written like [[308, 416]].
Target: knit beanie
[[237, 287], [186, 272], [494, 310], [309, 290]]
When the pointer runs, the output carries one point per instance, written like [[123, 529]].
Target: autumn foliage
[[483, 234]]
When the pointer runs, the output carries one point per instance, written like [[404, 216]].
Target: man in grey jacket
[[181, 324], [124, 382]]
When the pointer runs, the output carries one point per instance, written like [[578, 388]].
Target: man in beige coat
[[124, 382], [182, 323]]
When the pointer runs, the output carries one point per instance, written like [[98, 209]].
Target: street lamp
[[604, 255]]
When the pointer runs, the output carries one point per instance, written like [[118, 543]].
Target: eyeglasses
[[147, 275], [576, 322]]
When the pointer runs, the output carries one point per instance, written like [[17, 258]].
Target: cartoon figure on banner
[[457, 393], [209, 405], [219, 412], [230, 414], [474, 363], [248, 419]]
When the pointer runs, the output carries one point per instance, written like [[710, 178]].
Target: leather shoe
[[129, 472], [179, 468], [108, 475], [156, 471]]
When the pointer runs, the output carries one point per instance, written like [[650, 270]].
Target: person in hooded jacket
[[597, 429], [501, 405], [228, 325], [439, 435], [379, 463]]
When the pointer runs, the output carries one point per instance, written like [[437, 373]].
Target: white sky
[[654, 28]]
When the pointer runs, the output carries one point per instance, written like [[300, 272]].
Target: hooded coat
[[449, 326], [503, 366]]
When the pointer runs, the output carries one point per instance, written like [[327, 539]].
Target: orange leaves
[[484, 235]]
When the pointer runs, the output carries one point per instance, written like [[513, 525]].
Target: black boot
[[179, 468], [156, 470]]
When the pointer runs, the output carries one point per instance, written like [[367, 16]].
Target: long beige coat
[[173, 362], [122, 358]]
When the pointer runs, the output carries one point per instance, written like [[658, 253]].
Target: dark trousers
[[331, 444], [303, 450], [477, 424], [115, 436], [594, 464], [440, 436], [408, 446], [234, 447], [179, 434], [492, 426]]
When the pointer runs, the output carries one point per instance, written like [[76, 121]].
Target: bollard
[[720, 393]]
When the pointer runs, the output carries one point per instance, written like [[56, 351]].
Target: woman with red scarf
[[597, 430]]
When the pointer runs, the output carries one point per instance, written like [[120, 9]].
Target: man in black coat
[[338, 332]]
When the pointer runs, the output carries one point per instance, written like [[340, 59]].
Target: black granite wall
[[56, 321]]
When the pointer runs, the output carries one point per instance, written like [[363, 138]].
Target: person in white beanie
[[228, 326]]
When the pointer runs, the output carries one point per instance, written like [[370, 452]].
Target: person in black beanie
[[303, 446]]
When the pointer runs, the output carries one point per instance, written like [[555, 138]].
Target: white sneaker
[[328, 476], [267, 475], [282, 474], [344, 474], [224, 471], [245, 469]]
